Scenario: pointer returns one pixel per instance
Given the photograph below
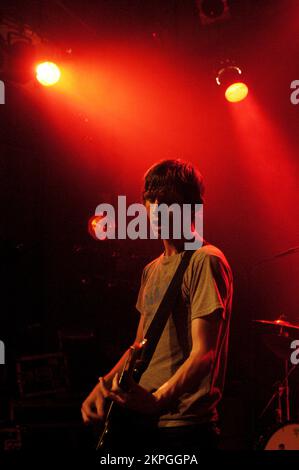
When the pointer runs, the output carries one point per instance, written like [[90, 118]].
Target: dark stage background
[[138, 85]]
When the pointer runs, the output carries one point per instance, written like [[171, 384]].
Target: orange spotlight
[[228, 78], [92, 225], [100, 220], [236, 92], [47, 73]]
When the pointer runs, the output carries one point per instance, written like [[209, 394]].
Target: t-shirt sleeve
[[210, 286]]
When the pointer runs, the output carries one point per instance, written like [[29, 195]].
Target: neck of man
[[173, 247]]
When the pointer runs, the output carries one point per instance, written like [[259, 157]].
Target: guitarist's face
[[165, 210]]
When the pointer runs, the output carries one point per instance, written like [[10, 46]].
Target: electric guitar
[[129, 371]]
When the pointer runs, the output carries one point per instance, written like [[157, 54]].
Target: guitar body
[[126, 433]]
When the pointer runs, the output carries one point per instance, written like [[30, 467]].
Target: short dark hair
[[176, 180]]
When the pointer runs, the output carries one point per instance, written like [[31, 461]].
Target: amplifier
[[44, 374]]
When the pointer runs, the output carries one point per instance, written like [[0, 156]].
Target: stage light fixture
[[92, 225], [47, 73], [17, 61], [229, 78], [105, 226], [212, 8], [25, 55], [212, 11]]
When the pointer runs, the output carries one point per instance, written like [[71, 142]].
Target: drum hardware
[[280, 323], [278, 341], [282, 389]]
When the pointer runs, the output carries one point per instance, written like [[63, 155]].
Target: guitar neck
[[129, 366]]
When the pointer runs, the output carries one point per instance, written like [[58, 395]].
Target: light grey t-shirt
[[206, 287]]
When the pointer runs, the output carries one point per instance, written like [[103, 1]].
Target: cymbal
[[278, 323]]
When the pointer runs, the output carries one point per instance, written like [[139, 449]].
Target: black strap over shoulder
[[158, 323]]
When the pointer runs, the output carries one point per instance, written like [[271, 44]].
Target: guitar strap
[[158, 323]]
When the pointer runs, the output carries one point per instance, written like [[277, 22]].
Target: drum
[[284, 438]]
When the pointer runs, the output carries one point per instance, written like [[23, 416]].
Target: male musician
[[183, 383]]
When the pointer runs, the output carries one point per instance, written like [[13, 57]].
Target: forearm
[[186, 378]]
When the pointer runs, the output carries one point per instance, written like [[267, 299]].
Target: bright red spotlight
[[236, 92], [47, 73]]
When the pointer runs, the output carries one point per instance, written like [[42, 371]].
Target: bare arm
[[187, 378]]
